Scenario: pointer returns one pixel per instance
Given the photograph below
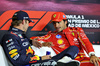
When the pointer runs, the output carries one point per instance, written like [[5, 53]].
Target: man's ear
[[66, 22], [23, 21]]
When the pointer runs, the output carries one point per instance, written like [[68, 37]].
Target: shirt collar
[[16, 30]]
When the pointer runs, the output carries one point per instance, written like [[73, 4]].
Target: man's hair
[[67, 22], [16, 23]]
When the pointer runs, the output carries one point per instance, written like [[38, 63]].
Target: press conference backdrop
[[80, 13]]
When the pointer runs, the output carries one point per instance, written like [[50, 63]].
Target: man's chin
[[58, 31]]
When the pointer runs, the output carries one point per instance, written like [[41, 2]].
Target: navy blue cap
[[21, 15]]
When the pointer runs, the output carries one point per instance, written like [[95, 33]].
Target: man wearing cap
[[18, 47], [65, 37]]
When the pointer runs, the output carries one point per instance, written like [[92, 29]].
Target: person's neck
[[19, 27], [65, 27]]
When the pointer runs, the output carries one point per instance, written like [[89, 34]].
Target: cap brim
[[31, 20], [56, 20]]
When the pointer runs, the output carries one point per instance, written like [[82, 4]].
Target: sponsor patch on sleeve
[[14, 54], [8, 40], [35, 58]]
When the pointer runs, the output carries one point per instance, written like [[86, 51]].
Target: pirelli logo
[[41, 19]]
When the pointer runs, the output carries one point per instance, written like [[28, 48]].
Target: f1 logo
[[41, 19]]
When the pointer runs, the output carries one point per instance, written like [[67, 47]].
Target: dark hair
[[67, 22], [16, 22]]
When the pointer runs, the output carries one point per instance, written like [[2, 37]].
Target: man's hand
[[46, 57], [95, 60], [49, 44], [36, 43]]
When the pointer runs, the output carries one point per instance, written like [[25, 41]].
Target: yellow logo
[[60, 41], [14, 54], [12, 51], [35, 58], [29, 50]]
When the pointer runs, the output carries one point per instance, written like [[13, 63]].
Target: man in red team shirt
[[65, 37]]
